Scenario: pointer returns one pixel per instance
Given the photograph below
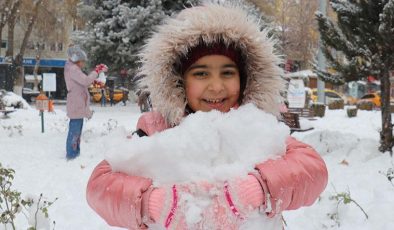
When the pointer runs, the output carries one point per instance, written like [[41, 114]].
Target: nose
[[216, 84]]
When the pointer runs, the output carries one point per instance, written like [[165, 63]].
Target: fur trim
[[210, 23]]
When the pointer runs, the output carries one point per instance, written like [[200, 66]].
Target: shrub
[[365, 105], [351, 112], [318, 109], [11, 204], [342, 198], [336, 104]]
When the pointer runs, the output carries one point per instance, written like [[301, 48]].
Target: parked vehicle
[[96, 94], [330, 95], [28, 92], [372, 97]]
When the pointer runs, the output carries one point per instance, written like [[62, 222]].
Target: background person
[[78, 97]]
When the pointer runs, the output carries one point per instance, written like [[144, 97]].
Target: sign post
[[42, 104]]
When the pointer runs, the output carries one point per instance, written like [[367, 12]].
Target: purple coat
[[78, 97]]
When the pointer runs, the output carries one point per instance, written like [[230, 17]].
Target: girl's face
[[212, 82]]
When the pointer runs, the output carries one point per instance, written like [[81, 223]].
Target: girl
[[77, 96], [211, 57]]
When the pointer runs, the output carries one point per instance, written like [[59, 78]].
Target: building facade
[[48, 43]]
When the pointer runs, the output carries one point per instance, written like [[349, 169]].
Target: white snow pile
[[206, 146], [10, 99]]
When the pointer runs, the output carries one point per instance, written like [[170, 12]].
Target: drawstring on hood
[[209, 25]]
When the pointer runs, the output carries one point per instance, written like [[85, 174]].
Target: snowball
[[206, 146]]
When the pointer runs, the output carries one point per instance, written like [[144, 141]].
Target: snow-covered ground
[[348, 145]]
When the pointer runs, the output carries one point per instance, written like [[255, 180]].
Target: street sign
[[296, 93], [49, 82], [42, 102]]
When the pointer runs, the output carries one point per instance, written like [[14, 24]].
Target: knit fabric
[[156, 203], [246, 193], [202, 50]]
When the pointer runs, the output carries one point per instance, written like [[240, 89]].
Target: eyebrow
[[206, 66]]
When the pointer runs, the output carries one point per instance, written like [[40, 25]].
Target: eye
[[229, 73], [200, 74]]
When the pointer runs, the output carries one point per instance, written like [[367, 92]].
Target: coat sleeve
[[82, 79], [294, 180], [117, 197], [151, 122]]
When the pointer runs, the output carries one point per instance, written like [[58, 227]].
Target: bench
[[302, 112], [6, 112], [293, 121]]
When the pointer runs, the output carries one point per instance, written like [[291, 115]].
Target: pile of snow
[[211, 146], [206, 147], [10, 99]]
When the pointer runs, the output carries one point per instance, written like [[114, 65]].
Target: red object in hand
[[101, 68]]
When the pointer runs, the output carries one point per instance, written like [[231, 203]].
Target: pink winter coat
[[78, 97], [296, 179]]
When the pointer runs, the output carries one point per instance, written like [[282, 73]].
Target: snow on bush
[[10, 99], [206, 146]]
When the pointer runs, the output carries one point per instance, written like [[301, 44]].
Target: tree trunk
[[11, 26], [30, 28], [1, 38], [10, 39], [35, 71], [4, 19], [19, 75], [386, 134], [20, 72], [10, 48]]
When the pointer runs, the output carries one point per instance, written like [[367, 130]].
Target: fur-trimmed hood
[[210, 23]]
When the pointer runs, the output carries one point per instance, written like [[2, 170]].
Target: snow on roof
[[301, 74]]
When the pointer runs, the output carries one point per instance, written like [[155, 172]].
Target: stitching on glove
[[230, 202], [171, 215]]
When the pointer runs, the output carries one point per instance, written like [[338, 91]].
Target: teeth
[[214, 101]]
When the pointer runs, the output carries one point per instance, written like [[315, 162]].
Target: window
[[333, 95], [30, 45], [52, 47], [3, 44], [59, 46], [368, 96]]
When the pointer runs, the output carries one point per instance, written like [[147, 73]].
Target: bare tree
[[11, 27], [20, 73], [284, 16], [304, 33], [12, 19], [5, 11], [296, 27]]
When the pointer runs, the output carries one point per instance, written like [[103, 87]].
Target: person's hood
[[210, 23]]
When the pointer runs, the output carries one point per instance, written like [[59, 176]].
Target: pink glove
[[233, 200], [101, 68], [163, 207], [243, 195]]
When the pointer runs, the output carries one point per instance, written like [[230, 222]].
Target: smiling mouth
[[214, 101]]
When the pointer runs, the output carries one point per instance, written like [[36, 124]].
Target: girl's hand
[[228, 203]]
